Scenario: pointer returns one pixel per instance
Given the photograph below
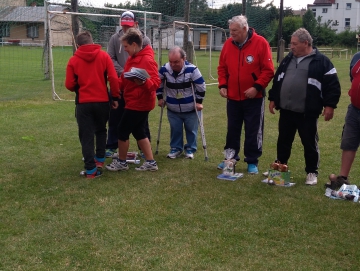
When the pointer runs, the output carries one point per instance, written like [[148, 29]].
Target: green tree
[[324, 35], [309, 22], [290, 24]]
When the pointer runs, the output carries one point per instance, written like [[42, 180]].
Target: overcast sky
[[295, 4]]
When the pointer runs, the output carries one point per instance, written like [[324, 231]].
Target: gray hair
[[303, 35], [241, 20], [177, 49]]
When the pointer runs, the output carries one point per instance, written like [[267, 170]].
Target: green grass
[[179, 218]]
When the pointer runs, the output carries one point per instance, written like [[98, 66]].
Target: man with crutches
[[185, 92]]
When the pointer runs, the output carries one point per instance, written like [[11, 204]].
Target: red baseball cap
[[128, 18]]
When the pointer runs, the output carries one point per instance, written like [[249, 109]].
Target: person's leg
[[123, 149], [253, 127], [191, 125], [235, 118], [176, 130], [287, 129], [114, 120], [347, 159], [309, 138], [350, 140], [140, 118], [86, 126], [101, 117], [145, 146], [124, 129]]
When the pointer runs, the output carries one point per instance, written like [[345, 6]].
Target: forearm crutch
[[199, 115], [161, 115]]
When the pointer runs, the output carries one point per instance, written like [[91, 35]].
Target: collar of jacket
[[249, 36]]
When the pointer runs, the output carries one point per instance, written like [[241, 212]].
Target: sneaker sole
[[116, 169], [253, 173], [153, 169], [311, 184]]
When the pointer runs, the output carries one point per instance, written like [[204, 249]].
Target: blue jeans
[[179, 120]]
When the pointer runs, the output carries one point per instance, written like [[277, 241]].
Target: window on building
[[32, 31], [347, 23], [348, 5], [314, 12], [324, 10], [4, 30]]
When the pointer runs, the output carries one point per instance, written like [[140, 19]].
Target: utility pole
[[244, 7], [187, 46], [280, 47], [75, 20]]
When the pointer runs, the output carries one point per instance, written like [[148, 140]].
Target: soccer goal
[[101, 22], [207, 40]]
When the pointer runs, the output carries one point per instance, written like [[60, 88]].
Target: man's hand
[[250, 93], [223, 92], [199, 107], [139, 82], [328, 113], [272, 107], [114, 104], [161, 102]]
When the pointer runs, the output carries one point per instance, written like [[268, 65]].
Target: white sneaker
[[116, 165], [147, 166], [311, 179], [189, 154], [174, 153]]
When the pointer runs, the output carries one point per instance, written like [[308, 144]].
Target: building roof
[[323, 2], [26, 14]]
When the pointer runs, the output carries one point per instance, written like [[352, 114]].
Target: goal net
[[101, 22]]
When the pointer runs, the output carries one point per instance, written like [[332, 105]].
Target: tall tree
[[309, 22]]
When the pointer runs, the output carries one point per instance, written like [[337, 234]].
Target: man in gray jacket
[[119, 57]]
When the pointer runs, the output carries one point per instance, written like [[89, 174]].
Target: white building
[[343, 14]]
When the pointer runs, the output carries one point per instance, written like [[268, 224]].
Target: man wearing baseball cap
[[119, 57]]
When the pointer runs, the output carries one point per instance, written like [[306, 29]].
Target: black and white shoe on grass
[[148, 166], [117, 165]]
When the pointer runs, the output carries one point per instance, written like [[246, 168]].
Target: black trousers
[[289, 123], [92, 119], [251, 113]]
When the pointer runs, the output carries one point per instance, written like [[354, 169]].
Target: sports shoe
[[221, 165], [99, 162], [311, 179], [174, 153], [91, 174], [253, 169], [148, 166], [109, 153], [117, 165], [189, 154]]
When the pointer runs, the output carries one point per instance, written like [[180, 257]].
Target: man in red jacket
[[245, 69], [87, 74]]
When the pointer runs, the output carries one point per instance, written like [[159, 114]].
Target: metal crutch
[[200, 119], [161, 115]]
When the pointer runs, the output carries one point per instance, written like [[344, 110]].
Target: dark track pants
[[289, 123], [251, 113], [91, 119]]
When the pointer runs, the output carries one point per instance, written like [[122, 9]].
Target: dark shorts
[[351, 132], [133, 122]]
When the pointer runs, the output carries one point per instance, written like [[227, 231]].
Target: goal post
[[101, 22], [205, 38]]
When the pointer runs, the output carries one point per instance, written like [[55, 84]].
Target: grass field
[[178, 218]]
